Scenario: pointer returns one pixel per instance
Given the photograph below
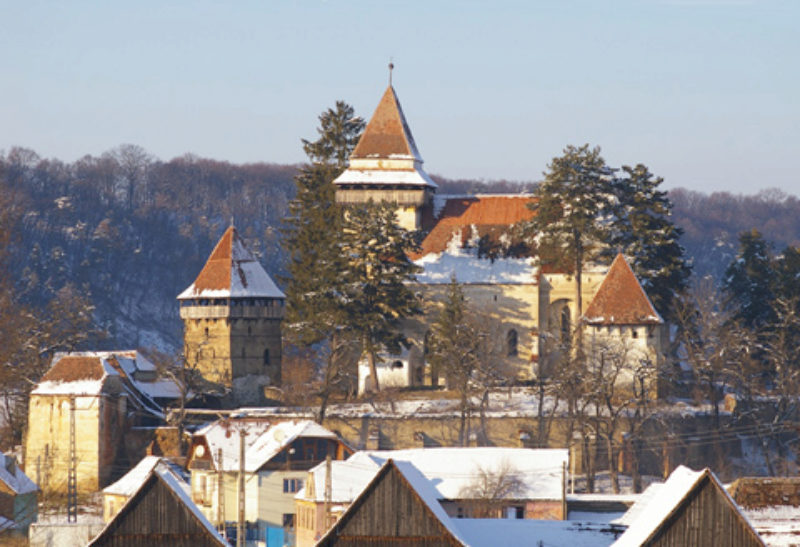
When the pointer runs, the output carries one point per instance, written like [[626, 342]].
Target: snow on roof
[[232, 272], [404, 177], [348, 479], [438, 268], [178, 487], [387, 134], [652, 510], [14, 478], [130, 483], [450, 470], [263, 440], [454, 469], [487, 532], [85, 374], [776, 524], [620, 299]]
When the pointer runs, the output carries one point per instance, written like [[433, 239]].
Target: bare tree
[[491, 489]]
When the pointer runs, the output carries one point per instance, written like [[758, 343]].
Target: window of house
[[288, 520], [266, 357], [290, 486], [397, 364], [460, 513], [634, 333], [511, 343]]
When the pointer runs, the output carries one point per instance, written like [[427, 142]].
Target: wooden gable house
[[398, 506], [690, 508], [159, 513]]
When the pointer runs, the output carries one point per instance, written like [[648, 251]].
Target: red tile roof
[[216, 274], [387, 133], [491, 216], [73, 368], [620, 300]]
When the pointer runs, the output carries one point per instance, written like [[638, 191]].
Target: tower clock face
[[200, 451]]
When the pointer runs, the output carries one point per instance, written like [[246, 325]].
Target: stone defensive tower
[[232, 317], [386, 166]]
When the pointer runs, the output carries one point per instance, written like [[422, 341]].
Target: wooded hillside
[[132, 231]]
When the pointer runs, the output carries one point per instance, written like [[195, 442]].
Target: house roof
[[13, 477], [465, 217], [210, 536], [86, 373], [621, 300], [763, 492], [451, 470], [232, 272], [263, 440], [387, 134], [130, 483], [652, 511]]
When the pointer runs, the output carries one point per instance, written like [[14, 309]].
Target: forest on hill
[[130, 231]]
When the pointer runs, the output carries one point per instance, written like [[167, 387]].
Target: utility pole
[[72, 473], [220, 493], [328, 490], [240, 522]]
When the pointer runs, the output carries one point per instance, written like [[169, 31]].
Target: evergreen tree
[[314, 228], [571, 208], [750, 282], [375, 296], [647, 237]]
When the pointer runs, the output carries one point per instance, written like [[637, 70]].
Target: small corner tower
[[386, 166], [232, 317]]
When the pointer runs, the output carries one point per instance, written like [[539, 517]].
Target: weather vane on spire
[[391, 68]]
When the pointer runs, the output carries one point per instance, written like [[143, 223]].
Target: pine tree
[[750, 281], [571, 206], [644, 233], [375, 296], [314, 227]]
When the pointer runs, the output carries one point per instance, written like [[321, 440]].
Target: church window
[[566, 328], [511, 343], [266, 357]]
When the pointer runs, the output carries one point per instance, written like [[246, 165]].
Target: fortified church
[[233, 311]]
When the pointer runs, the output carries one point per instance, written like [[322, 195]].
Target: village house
[[18, 497], [400, 505], [528, 310], [489, 482], [690, 508], [84, 412], [117, 494], [277, 457], [232, 317], [159, 513], [772, 505]]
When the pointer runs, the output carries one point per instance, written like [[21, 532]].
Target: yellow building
[[82, 409], [232, 317], [528, 311]]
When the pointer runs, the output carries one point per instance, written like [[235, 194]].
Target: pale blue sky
[[705, 92]]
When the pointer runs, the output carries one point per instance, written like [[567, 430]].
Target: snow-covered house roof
[[13, 477], [471, 532], [232, 272], [164, 527], [451, 470], [263, 440], [87, 373], [130, 483], [387, 137], [621, 300], [653, 510]]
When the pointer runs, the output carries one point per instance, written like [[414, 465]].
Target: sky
[[706, 93]]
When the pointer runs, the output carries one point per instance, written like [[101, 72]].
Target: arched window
[[566, 327], [266, 357], [511, 343]]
